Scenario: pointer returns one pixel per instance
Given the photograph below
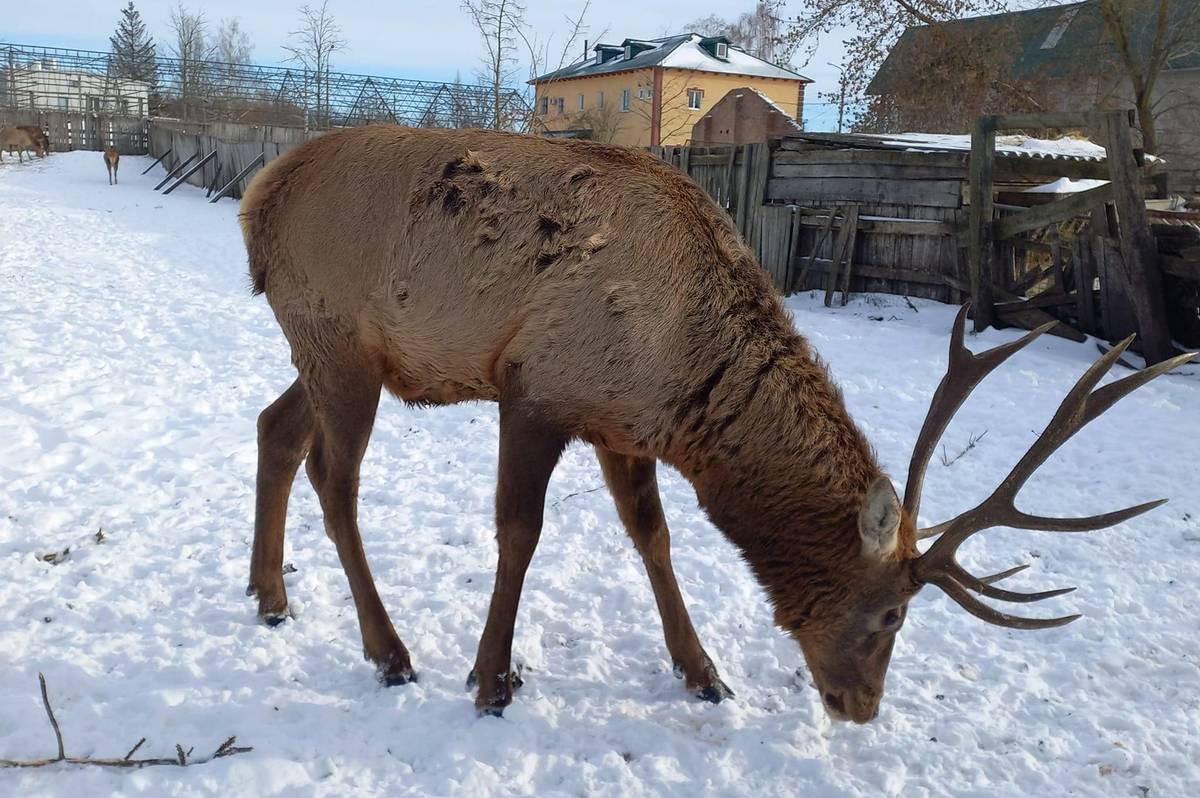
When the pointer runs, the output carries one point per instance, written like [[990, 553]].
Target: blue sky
[[431, 39]]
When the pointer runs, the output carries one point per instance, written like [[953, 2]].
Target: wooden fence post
[[1138, 249], [983, 149]]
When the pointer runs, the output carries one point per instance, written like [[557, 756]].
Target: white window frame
[[628, 51], [581, 102], [544, 105], [695, 99], [645, 92], [599, 99], [626, 94], [722, 50]]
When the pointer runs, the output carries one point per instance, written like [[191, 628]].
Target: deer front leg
[[529, 450], [346, 400], [634, 487]]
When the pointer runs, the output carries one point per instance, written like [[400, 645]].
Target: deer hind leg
[[285, 431], [634, 487], [529, 450], [345, 400]]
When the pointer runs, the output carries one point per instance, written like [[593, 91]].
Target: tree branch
[[181, 759]]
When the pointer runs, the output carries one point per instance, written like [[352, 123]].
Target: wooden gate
[[75, 130]]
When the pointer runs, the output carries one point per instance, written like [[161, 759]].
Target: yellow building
[[653, 91]]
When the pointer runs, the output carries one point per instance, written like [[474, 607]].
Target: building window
[[695, 96], [645, 92], [581, 102], [599, 99], [545, 106], [625, 99], [628, 51], [722, 50], [561, 104]]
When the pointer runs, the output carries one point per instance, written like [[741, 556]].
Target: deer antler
[[1082, 404]]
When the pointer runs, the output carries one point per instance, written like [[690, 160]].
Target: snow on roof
[[690, 55], [1065, 147], [1065, 185], [676, 52]]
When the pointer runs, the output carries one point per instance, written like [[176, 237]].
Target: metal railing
[[59, 79]]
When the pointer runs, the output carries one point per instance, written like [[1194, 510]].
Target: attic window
[[628, 51], [1060, 27], [722, 50]]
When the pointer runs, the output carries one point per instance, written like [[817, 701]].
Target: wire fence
[[87, 81]]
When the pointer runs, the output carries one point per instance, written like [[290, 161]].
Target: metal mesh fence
[[60, 79]]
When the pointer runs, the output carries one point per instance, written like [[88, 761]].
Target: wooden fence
[[866, 220], [219, 157], [75, 130], [845, 213]]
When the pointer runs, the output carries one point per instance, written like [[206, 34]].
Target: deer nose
[[835, 705]]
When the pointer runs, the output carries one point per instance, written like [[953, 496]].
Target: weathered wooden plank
[[1085, 279], [874, 171], [821, 266], [931, 193], [1032, 318], [1137, 242], [1023, 169], [908, 227], [944, 160], [1180, 267], [1051, 300], [1077, 204], [980, 237], [852, 226]]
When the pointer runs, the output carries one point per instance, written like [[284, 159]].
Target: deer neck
[[781, 470]]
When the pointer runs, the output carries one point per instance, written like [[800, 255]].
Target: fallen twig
[[971, 442], [181, 759], [911, 305], [562, 499]]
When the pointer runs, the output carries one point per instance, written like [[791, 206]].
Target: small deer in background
[[596, 294], [14, 139], [41, 142], [112, 159]]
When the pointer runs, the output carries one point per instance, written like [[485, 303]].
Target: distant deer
[[112, 160], [41, 141], [18, 140], [596, 294]]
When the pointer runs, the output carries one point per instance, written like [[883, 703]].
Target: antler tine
[[964, 370], [994, 578], [984, 586], [1081, 405], [980, 610]]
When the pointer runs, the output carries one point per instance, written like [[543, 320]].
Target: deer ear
[[879, 520]]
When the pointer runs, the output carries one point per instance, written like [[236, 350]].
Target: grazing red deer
[[596, 294], [41, 141], [16, 139], [112, 160]]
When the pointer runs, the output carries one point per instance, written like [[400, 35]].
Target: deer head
[[848, 653]]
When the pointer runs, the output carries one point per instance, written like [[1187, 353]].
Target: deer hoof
[[489, 711], [275, 618], [513, 675], [715, 693], [399, 678]]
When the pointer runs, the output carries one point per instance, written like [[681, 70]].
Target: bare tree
[[761, 32], [544, 57], [498, 23], [190, 47], [233, 44], [313, 44], [1147, 36]]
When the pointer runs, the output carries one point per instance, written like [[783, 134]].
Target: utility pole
[[841, 94]]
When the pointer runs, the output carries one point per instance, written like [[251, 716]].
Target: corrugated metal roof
[[1015, 146]]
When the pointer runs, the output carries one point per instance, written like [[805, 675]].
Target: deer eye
[[891, 619]]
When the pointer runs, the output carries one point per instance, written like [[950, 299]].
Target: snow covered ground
[[133, 363]]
